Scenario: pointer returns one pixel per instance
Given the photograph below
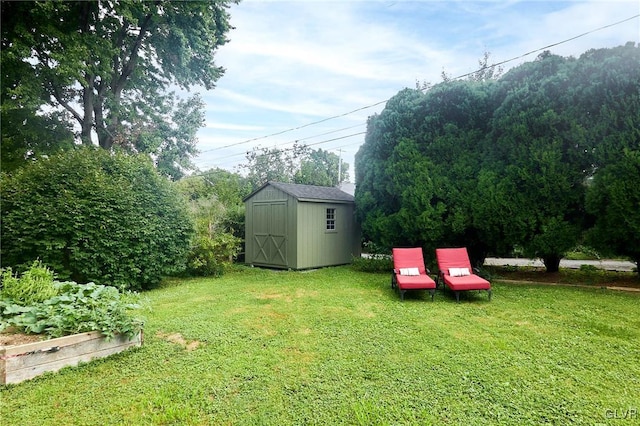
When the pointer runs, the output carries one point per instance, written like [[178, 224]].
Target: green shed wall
[[307, 241], [255, 217], [318, 246]]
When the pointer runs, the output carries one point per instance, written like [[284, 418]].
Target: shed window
[[331, 219]]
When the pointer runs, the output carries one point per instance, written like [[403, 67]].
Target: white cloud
[[292, 63], [230, 126]]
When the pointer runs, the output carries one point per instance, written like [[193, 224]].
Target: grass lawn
[[335, 346]]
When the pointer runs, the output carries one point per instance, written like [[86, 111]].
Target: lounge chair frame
[[459, 258], [409, 258]]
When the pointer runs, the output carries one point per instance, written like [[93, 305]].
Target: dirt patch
[[599, 278], [288, 297], [270, 296], [177, 339], [603, 287], [8, 338], [302, 293]]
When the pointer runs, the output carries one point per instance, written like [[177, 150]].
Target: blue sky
[[292, 63]]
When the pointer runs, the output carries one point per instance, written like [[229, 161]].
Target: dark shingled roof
[[310, 192]]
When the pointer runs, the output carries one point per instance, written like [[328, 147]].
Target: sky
[[312, 72]]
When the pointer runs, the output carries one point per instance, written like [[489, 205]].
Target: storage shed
[[295, 226]]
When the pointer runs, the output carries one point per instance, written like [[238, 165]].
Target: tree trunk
[[552, 262], [105, 140], [87, 121]]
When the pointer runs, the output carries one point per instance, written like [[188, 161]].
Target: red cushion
[[452, 258], [467, 282], [459, 258], [420, 282], [411, 258], [408, 258]]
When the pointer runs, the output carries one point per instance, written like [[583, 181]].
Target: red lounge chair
[[409, 272], [456, 272]]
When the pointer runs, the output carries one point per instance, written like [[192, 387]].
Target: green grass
[[334, 346]]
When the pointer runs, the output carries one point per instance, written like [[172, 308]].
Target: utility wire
[[297, 140], [336, 139], [455, 78], [297, 128], [288, 149], [328, 133], [545, 47], [386, 100]]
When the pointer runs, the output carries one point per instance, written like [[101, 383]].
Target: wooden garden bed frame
[[26, 361]]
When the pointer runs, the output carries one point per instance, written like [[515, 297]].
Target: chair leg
[[402, 292], [457, 296], [489, 292], [433, 293]]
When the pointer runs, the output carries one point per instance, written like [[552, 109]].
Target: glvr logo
[[622, 413]]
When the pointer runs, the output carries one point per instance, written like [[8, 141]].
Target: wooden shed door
[[269, 234]]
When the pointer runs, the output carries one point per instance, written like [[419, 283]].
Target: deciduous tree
[[322, 168], [299, 164], [110, 66]]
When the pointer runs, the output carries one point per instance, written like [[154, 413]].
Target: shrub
[[97, 216], [582, 252], [216, 207], [485, 273], [35, 285], [373, 263], [210, 255], [589, 269]]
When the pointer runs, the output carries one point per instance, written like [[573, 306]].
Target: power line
[[336, 139], [293, 141], [298, 128], [455, 78], [287, 149], [299, 140], [546, 47], [328, 133], [386, 100]]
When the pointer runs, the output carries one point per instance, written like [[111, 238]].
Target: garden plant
[[35, 303]]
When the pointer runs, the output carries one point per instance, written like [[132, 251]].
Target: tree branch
[[130, 65], [56, 94]]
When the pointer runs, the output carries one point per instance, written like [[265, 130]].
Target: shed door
[[269, 233]]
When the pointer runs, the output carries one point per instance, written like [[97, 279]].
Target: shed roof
[[309, 192]]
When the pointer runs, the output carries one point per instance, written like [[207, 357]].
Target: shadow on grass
[[442, 295]]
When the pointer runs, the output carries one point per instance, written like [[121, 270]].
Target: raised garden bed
[[26, 361]]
